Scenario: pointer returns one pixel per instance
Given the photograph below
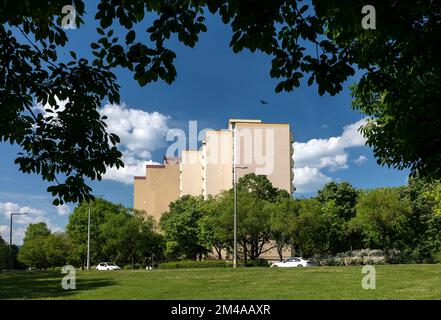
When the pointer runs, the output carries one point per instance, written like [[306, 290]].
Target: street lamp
[[235, 167], [235, 214], [88, 234], [10, 237]]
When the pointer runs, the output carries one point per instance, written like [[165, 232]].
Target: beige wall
[[217, 162], [140, 194], [191, 173], [209, 171], [159, 189], [265, 148]]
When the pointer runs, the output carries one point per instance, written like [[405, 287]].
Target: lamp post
[[235, 167], [235, 214], [88, 234], [10, 237]]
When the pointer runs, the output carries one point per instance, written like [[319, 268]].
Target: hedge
[[186, 264]]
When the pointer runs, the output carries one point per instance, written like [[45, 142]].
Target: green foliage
[[381, 217], [213, 227], [434, 195], [283, 214], [343, 195], [117, 234], [181, 229], [4, 254], [42, 249], [101, 210], [423, 239], [190, 264], [36, 230], [310, 232], [258, 263], [259, 185], [398, 88]]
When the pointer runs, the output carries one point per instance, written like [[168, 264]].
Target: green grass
[[393, 282]]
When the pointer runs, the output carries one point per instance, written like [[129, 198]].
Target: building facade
[[245, 146]]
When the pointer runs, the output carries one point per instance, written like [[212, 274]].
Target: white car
[[292, 262], [107, 266]]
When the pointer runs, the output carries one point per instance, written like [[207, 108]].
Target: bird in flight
[[263, 102]]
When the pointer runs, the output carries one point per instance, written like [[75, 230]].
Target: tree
[[130, 238], [32, 253], [435, 196], [42, 249], [259, 185], [283, 213], [310, 233], [76, 228], [215, 229], [181, 230], [253, 223], [4, 254], [323, 41], [381, 216], [344, 196], [423, 237], [57, 248], [339, 201], [36, 230]]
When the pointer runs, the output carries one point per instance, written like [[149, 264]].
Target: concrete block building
[[245, 146]]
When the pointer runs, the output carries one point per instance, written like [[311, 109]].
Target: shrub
[[128, 267], [188, 264], [358, 257], [257, 263]]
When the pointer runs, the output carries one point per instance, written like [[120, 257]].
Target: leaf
[[130, 37]]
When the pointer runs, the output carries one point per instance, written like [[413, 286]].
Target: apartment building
[[245, 146]]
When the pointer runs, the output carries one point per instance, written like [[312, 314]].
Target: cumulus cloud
[[311, 158], [308, 179], [4, 232], [10, 207], [63, 209], [140, 132], [360, 160]]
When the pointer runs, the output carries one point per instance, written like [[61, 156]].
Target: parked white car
[[292, 262], [107, 266]]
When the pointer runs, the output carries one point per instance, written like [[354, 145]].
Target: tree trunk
[[279, 251]]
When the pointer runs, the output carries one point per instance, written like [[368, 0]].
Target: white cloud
[[63, 209], [4, 232], [140, 133], [10, 207], [21, 222], [133, 166], [360, 160], [331, 154], [309, 179]]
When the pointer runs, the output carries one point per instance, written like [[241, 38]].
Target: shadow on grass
[[43, 285]]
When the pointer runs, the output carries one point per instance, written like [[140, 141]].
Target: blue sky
[[213, 85]]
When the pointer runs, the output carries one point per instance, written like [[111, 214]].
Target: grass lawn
[[392, 282]]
